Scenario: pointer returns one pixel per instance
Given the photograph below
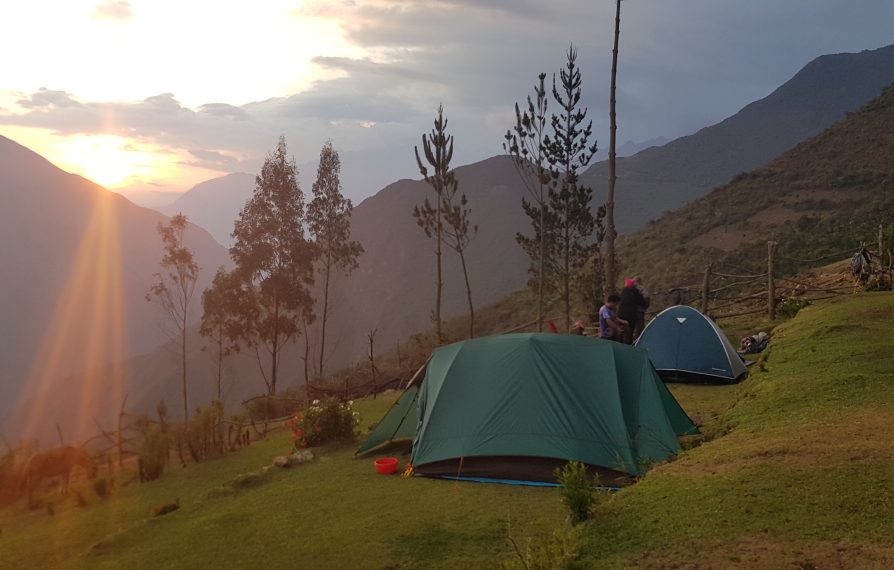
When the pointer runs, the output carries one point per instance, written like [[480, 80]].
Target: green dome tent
[[518, 406], [685, 345]]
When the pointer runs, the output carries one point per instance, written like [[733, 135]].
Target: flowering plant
[[323, 422]]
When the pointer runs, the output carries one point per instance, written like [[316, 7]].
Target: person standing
[[632, 302], [611, 327]]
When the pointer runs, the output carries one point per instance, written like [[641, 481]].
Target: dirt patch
[[774, 553]]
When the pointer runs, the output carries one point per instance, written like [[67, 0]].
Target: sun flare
[[108, 160]]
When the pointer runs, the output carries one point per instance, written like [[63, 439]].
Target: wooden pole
[[706, 288], [771, 282], [61, 439], [118, 437], [612, 176]]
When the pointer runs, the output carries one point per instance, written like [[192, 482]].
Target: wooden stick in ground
[[120, 417], [59, 431], [771, 283], [706, 289]]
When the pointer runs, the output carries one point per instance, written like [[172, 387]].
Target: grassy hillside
[[825, 195], [803, 478], [799, 472]]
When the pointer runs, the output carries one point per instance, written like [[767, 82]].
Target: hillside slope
[[662, 179], [798, 474], [78, 261], [825, 195], [803, 478]]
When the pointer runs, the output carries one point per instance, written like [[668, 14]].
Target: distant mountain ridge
[[822, 197], [215, 204], [661, 179]]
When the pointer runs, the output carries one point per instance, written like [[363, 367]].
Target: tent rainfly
[[517, 406], [687, 346]]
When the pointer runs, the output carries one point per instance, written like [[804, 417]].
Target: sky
[[153, 96]]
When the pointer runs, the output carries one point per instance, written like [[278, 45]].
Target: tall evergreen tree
[[274, 264], [438, 150], [175, 288], [568, 151], [526, 144], [329, 219]]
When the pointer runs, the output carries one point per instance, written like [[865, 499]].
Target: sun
[[108, 160]]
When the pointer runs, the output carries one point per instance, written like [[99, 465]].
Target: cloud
[[213, 160], [46, 99], [683, 65], [113, 10]]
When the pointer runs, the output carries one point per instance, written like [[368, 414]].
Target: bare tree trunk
[[306, 354], [566, 285], [325, 311], [540, 269], [440, 282], [183, 371], [610, 232], [220, 357], [462, 259]]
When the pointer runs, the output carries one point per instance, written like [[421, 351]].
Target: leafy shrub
[[102, 488], [555, 551], [324, 422], [576, 490], [267, 407], [153, 451], [788, 308]]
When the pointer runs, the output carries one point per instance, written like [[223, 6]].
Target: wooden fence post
[[706, 288], [118, 436], [881, 251], [771, 282]]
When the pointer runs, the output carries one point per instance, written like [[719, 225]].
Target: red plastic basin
[[386, 465]]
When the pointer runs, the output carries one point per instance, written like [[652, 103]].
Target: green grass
[[335, 512], [797, 469], [805, 472]]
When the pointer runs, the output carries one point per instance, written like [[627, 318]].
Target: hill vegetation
[[822, 197], [662, 179]]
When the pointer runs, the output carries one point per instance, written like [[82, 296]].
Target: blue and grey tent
[[686, 346]]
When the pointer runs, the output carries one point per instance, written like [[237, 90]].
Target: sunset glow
[[88, 326], [108, 160]]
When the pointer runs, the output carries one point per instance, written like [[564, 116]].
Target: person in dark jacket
[[632, 301]]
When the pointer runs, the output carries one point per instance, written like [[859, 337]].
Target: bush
[[153, 451], [576, 490], [102, 488], [788, 308], [555, 551], [324, 422]]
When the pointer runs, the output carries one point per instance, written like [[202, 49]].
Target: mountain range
[[662, 179], [71, 263], [78, 261]]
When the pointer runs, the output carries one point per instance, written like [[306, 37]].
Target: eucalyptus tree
[[274, 263], [329, 220], [175, 288]]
